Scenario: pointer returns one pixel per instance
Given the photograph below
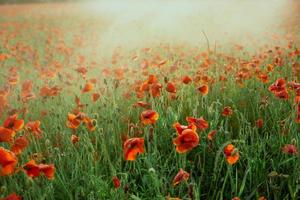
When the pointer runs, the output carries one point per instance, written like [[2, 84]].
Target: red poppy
[[186, 141], [6, 135], [171, 87], [231, 154], [227, 111], [180, 128], [74, 139], [259, 123], [211, 135], [149, 117], [279, 89], [200, 123], [13, 196], [180, 177], [14, 123], [34, 127], [203, 89], [88, 87], [116, 182], [20, 144], [290, 149], [8, 162], [34, 170], [132, 147], [186, 79]]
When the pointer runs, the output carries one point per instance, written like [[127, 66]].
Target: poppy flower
[[6, 135], [279, 89], [142, 104], [8, 162], [90, 123], [180, 177], [152, 79], [149, 117], [73, 121], [132, 147], [14, 123], [116, 182], [155, 89], [171, 87], [12, 196], [227, 111], [88, 87], [290, 149], [259, 123], [180, 128], [203, 89], [200, 123], [186, 79], [231, 154], [211, 135], [20, 144], [236, 198], [34, 127], [186, 141], [34, 170], [95, 97]]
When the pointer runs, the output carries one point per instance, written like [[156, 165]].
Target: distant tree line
[[34, 1]]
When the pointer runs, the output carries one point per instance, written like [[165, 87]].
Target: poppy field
[[165, 121]]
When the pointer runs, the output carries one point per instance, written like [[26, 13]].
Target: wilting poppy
[[180, 177], [203, 89], [227, 111], [74, 139], [132, 147], [200, 123], [8, 162], [149, 117], [231, 154], [290, 149], [14, 123], [90, 123], [116, 182], [186, 141]]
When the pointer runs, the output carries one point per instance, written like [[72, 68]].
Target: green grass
[[85, 170]]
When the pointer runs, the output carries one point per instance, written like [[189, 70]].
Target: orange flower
[[95, 97], [88, 87], [186, 79], [90, 123], [151, 79], [155, 89], [20, 144], [180, 128], [231, 153], [8, 162], [200, 123], [12, 196], [171, 87], [74, 139], [227, 111], [34, 170], [13, 123], [6, 135], [203, 89], [34, 127], [180, 176], [186, 141], [132, 147], [142, 104], [279, 89], [211, 135], [73, 121], [149, 117]]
